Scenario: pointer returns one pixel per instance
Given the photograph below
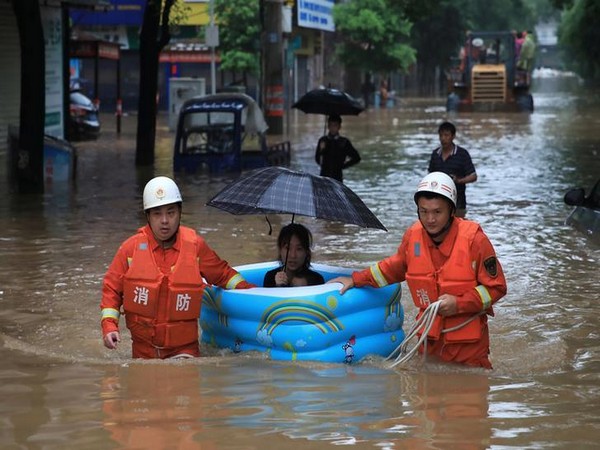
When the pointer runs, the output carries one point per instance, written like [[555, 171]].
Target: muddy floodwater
[[61, 389]]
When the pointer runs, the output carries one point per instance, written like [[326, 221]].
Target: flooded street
[[61, 389]]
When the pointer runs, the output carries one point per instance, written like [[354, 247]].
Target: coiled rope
[[400, 355]]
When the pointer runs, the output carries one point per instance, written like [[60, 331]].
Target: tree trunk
[[154, 35], [30, 158], [426, 76]]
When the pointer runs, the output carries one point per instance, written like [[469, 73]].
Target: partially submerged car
[[586, 215], [224, 132]]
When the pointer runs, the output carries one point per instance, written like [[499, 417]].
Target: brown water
[[61, 389]]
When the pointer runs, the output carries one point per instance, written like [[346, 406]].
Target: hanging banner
[[52, 24]]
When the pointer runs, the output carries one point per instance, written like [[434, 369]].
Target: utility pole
[[212, 39], [273, 66]]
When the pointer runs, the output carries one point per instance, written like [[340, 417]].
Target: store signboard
[[316, 14], [119, 12], [131, 13]]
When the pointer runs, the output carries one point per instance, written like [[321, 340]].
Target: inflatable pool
[[304, 323]]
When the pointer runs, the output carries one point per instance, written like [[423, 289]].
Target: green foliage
[[414, 10], [439, 36], [239, 61], [239, 34], [375, 36], [579, 36], [495, 15], [179, 12], [562, 4], [504, 15], [543, 9]]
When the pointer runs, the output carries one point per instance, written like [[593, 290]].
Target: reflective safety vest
[[163, 322], [455, 277]]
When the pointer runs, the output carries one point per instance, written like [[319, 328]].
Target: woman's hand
[[347, 283], [281, 279]]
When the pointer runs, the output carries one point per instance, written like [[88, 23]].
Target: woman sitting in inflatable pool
[[303, 323], [294, 251]]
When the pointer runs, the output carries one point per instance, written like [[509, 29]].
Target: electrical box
[[180, 90]]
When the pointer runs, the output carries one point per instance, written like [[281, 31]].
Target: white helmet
[[437, 183], [477, 42], [160, 191]]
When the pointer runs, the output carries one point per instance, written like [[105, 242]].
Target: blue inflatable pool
[[304, 323]]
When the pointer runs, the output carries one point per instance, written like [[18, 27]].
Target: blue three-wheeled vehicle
[[224, 132]]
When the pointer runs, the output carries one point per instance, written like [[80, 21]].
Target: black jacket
[[338, 154], [312, 278]]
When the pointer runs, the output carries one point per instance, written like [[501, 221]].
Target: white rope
[[424, 323]]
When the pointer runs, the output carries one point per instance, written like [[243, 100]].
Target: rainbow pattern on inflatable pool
[[304, 323]]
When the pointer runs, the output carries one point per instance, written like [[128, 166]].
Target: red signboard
[[93, 49], [174, 56]]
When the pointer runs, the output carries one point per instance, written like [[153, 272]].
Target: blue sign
[[120, 12], [316, 14]]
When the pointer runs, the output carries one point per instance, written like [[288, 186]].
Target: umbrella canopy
[[277, 190], [328, 101]]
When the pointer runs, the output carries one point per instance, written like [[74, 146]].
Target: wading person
[[335, 152], [454, 161], [156, 278], [449, 260]]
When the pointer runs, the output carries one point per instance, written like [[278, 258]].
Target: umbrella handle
[[286, 257], [288, 249]]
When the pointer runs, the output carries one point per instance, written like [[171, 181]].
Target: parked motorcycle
[[84, 123]]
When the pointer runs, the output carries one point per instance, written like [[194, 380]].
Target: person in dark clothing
[[454, 161], [367, 89], [335, 152], [293, 244]]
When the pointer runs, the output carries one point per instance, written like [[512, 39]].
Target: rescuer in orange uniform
[[447, 259], [156, 278]]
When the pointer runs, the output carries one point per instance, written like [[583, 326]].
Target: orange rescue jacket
[[455, 277], [163, 309]]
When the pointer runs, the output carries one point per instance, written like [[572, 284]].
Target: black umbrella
[[277, 190], [329, 101]]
